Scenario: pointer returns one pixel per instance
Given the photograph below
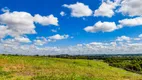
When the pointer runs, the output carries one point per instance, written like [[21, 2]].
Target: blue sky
[[113, 17]]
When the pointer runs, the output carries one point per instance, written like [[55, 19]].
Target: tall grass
[[44, 68]]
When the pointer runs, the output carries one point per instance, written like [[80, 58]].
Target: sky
[[45, 27]]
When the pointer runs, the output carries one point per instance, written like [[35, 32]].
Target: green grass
[[44, 68]]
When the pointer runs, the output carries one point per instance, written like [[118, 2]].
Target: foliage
[[128, 63]]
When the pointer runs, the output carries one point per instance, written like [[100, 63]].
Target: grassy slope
[[43, 68]]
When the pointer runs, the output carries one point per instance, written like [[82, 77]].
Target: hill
[[45, 68]]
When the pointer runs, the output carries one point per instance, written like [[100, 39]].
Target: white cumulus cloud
[[46, 20], [140, 35], [21, 23], [123, 38], [18, 23], [22, 39], [106, 9], [101, 26], [131, 22], [3, 31], [62, 13], [58, 37], [131, 7], [79, 9]]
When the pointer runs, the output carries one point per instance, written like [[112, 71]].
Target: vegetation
[[133, 64], [45, 68], [129, 62]]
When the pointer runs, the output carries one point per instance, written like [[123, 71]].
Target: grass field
[[44, 68]]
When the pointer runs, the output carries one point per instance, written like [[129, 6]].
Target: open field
[[44, 68]]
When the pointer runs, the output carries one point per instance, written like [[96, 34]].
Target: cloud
[[5, 9], [62, 13], [140, 36], [96, 44], [21, 23], [3, 31], [58, 37], [53, 30], [123, 38], [22, 39], [137, 39], [79, 9], [18, 23], [106, 8], [131, 22], [117, 46], [131, 7], [113, 44], [101, 26], [10, 42], [40, 41], [46, 20]]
